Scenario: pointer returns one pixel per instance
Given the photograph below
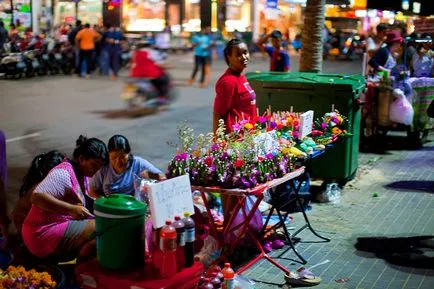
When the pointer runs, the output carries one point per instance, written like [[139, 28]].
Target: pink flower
[[236, 127], [262, 119], [323, 125]]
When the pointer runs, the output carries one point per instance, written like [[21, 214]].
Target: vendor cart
[[419, 91], [375, 114]]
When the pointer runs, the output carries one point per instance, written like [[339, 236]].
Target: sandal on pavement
[[303, 277]]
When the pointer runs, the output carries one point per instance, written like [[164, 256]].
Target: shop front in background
[[22, 13], [154, 15], [88, 11]]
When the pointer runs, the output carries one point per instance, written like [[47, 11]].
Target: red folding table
[[244, 226]]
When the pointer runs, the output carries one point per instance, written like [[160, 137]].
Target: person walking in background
[[3, 36], [201, 44], [112, 49], [13, 33], [279, 57], [71, 38], [374, 42], [209, 60], [85, 41]]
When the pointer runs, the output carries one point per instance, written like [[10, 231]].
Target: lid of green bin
[[308, 80], [118, 204]]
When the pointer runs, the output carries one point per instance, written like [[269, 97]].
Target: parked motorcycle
[[13, 65]]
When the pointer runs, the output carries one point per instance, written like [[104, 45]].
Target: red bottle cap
[[227, 264], [177, 218], [168, 222]]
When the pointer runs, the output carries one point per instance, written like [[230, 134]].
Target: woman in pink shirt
[[59, 225]]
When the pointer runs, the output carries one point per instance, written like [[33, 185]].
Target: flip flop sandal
[[302, 277]]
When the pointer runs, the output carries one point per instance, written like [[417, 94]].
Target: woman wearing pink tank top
[[58, 224]]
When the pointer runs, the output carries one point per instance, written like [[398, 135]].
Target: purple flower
[[273, 125], [269, 156], [262, 119], [323, 125], [243, 122], [224, 156], [181, 157], [335, 120], [214, 147]]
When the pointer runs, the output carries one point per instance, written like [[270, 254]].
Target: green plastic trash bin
[[317, 92], [120, 222]]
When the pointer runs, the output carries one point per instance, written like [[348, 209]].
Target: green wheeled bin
[[120, 223], [318, 92]]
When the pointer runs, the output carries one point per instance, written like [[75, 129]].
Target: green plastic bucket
[[120, 221]]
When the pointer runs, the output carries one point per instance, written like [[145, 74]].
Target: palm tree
[[311, 38]]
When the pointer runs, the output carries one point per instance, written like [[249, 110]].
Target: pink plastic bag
[[255, 224], [401, 110]]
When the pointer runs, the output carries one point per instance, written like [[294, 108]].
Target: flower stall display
[[18, 277], [257, 151]]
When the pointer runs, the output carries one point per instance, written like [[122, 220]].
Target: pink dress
[[43, 231]]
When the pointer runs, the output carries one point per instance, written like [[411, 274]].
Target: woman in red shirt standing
[[235, 99]]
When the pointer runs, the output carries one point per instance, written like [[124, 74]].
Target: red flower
[[239, 163], [208, 161], [269, 129], [296, 122], [279, 126]]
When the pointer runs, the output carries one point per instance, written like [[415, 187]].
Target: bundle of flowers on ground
[[257, 151], [19, 277]]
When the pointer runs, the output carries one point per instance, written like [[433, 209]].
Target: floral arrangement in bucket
[[19, 278]]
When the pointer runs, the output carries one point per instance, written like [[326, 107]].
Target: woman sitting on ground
[[117, 177], [58, 225], [39, 169]]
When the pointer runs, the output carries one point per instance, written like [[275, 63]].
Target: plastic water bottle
[[189, 239], [180, 242], [229, 277], [168, 248]]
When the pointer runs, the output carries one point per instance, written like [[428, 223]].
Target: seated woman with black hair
[[58, 225], [39, 169], [117, 177]]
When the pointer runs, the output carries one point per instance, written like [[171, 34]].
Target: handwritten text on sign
[[170, 198], [306, 122]]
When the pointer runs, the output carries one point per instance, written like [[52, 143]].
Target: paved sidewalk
[[404, 183]]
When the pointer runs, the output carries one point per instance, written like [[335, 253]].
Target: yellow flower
[[248, 126], [341, 120]]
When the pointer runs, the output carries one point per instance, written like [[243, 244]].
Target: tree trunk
[[311, 36]]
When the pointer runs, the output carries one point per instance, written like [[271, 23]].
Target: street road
[[50, 112]]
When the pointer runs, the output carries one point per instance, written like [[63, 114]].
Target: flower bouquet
[[330, 127], [20, 278]]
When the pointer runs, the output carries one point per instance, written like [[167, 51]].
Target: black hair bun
[[81, 139]]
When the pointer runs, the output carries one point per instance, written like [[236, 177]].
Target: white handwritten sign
[[170, 198], [266, 143], [306, 122]]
